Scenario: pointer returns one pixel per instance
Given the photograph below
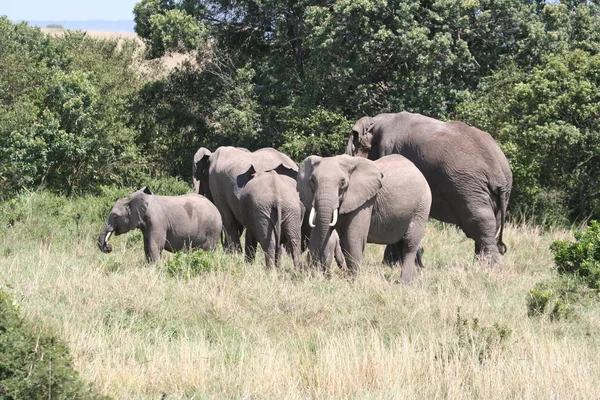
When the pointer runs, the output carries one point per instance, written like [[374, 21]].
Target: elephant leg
[[271, 252], [339, 256], [393, 253], [152, 247], [354, 240], [232, 231], [482, 229], [411, 248], [250, 247]]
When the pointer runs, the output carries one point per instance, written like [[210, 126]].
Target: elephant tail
[[502, 195], [278, 226]]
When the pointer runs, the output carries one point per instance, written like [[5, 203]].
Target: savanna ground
[[461, 330]]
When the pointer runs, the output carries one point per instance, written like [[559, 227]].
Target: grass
[[461, 330]]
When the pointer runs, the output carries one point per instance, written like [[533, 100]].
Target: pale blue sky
[[67, 10]]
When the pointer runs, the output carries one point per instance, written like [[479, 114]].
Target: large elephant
[[385, 201], [171, 223], [217, 174], [468, 174]]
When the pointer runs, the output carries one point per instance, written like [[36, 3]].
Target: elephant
[[272, 217], [196, 174], [217, 176], [469, 175], [167, 222], [385, 202]]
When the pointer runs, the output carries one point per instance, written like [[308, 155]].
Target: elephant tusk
[[335, 217], [107, 237], [311, 218]]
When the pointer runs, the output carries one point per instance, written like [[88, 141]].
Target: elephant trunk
[[326, 208], [103, 244]]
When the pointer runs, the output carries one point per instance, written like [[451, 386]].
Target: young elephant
[[385, 201], [272, 213], [167, 222]]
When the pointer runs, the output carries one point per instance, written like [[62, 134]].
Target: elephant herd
[[398, 170]]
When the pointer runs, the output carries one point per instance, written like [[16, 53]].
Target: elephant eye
[[343, 184]]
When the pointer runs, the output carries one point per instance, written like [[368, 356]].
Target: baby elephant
[[271, 212], [167, 222]]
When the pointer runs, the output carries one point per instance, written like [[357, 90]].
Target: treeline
[[77, 112]]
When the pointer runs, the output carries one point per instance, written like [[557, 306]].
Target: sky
[[67, 10]]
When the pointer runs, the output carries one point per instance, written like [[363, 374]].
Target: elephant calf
[[272, 213], [167, 222]]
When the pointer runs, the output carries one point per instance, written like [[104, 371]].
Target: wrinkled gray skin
[[273, 213], [217, 177], [468, 174], [171, 223], [385, 201]]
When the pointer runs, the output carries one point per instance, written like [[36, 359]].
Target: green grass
[[461, 330]]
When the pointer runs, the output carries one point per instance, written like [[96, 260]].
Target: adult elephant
[[216, 174], [468, 174], [385, 201]]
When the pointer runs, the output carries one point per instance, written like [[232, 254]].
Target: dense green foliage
[[34, 364], [582, 257], [77, 112], [578, 267], [64, 107]]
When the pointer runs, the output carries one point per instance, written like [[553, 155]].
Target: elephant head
[[127, 214], [200, 172], [243, 179], [359, 143], [332, 187]]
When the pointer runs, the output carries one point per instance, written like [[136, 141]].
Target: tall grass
[[461, 330]]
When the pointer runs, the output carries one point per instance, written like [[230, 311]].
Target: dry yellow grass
[[241, 331]]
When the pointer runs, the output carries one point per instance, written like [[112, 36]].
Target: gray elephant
[[272, 213], [468, 174], [385, 201], [217, 176], [167, 222], [202, 154]]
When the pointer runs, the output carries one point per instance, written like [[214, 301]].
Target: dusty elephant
[[385, 201], [171, 223], [217, 174], [468, 174]]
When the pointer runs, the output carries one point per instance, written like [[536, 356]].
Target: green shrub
[[319, 132], [582, 257], [34, 365], [556, 298], [187, 265]]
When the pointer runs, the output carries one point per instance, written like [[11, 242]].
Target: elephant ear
[[365, 180], [243, 179], [138, 205], [362, 134], [287, 171], [200, 168], [303, 180]]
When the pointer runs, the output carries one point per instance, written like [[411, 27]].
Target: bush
[[64, 110], [555, 298], [582, 257], [34, 365], [319, 132], [187, 265]]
